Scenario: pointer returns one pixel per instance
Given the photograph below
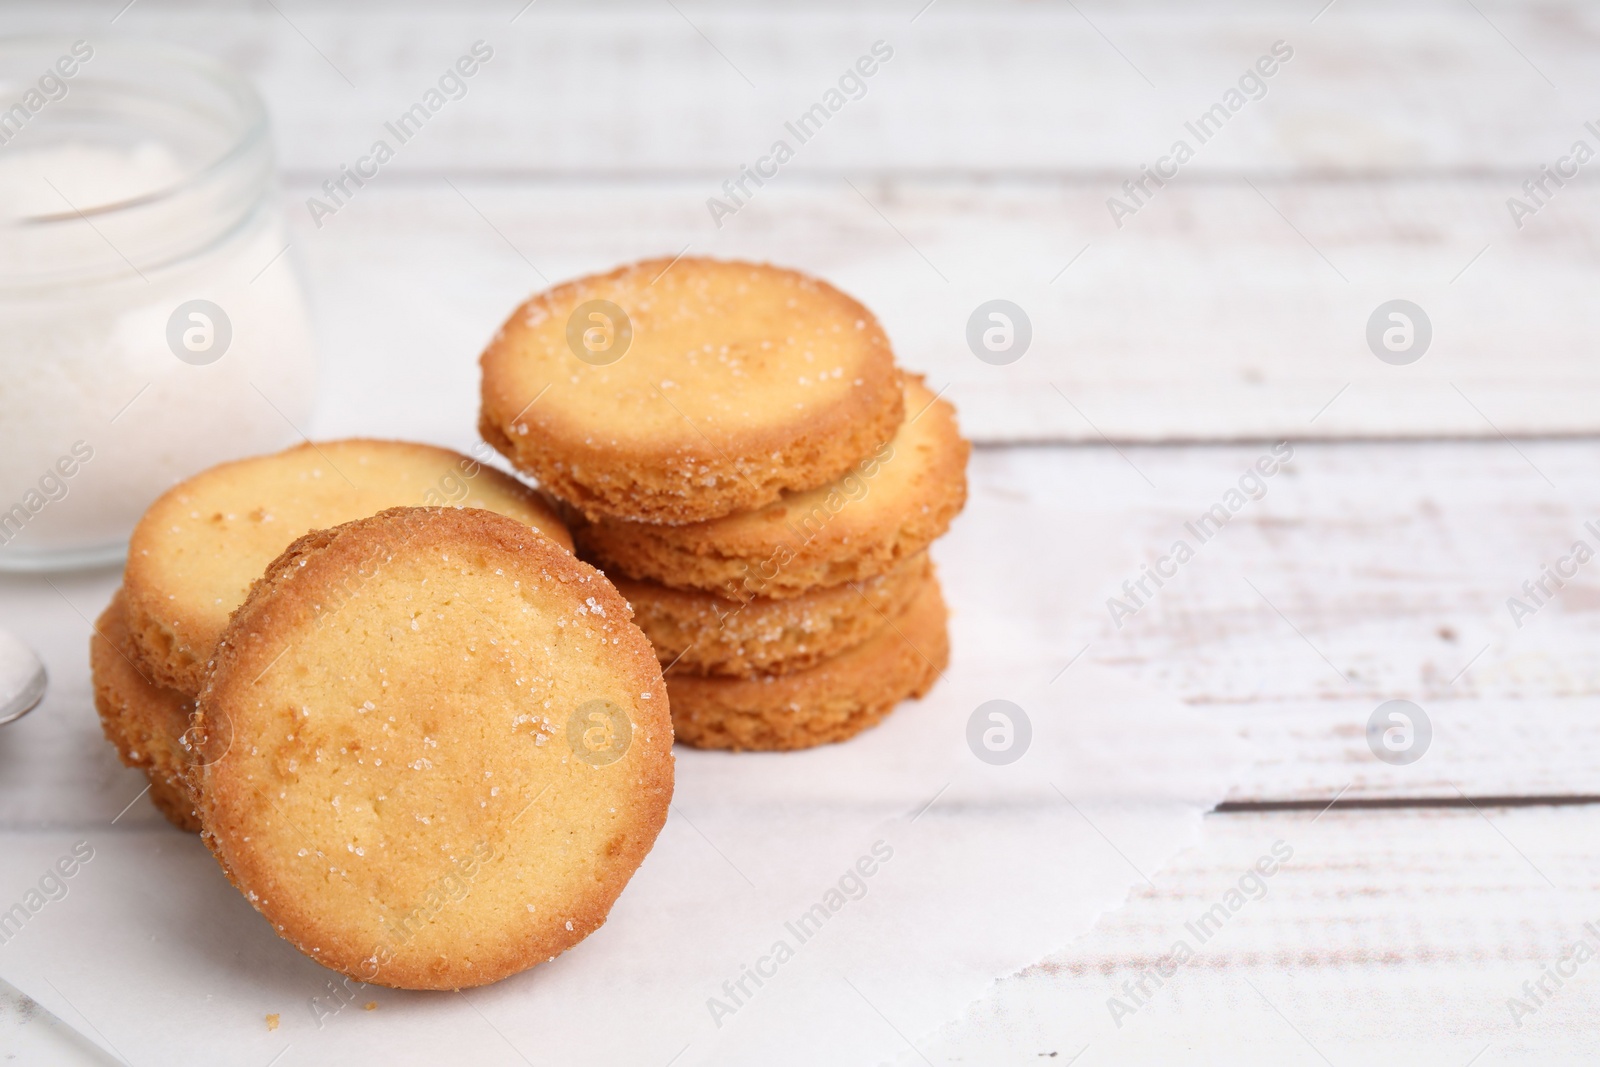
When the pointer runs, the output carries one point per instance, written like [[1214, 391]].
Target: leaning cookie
[[144, 721], [681, 390], [695, 632], [832, 701], [193, 555], [433, 749], [888, 508]]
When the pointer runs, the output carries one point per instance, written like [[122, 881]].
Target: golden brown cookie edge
[[158, 629], [679, 622], [243, 652], [856, 689], [626, 484], [144, 722], [717, 559]]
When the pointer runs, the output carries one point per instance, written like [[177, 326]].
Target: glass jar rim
[[253, 112], [174, 83]]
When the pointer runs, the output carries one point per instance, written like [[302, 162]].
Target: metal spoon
[[22, 678]]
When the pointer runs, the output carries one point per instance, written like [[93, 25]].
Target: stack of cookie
[[373, 676], [734, 444]]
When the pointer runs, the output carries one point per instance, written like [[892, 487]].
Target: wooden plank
[[1365, 573], [1228, 307], [1372, 88], [1208, 317], [1379, 570], [1392, 560], [1396, 937]]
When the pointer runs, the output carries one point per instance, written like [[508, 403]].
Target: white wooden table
[[1227, 314]]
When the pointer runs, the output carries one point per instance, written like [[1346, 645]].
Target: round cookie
[[194, 554], [832, 701], [718, 387], [695, 632], [433, 749], [145, 722], [890, 507]]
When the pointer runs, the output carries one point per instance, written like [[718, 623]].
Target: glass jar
[[151, 320]]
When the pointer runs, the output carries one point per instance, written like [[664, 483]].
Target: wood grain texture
[[979, 165], [1233, 306], [1386, 938], [1366, 572], [1210, 317], [1393, 560], [973, 87]]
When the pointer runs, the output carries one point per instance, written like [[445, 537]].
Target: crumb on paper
[[371, 1005], [272, 1020]]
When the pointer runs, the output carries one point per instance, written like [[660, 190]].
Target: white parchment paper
[[976, 870]]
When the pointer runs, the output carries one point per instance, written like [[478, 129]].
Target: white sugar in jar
[[151, 320]]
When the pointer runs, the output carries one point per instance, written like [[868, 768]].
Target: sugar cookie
[[835, 700], [678, 391], [695, 632], [890, 507], [144, 721], [196, 551], [433, 749]]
